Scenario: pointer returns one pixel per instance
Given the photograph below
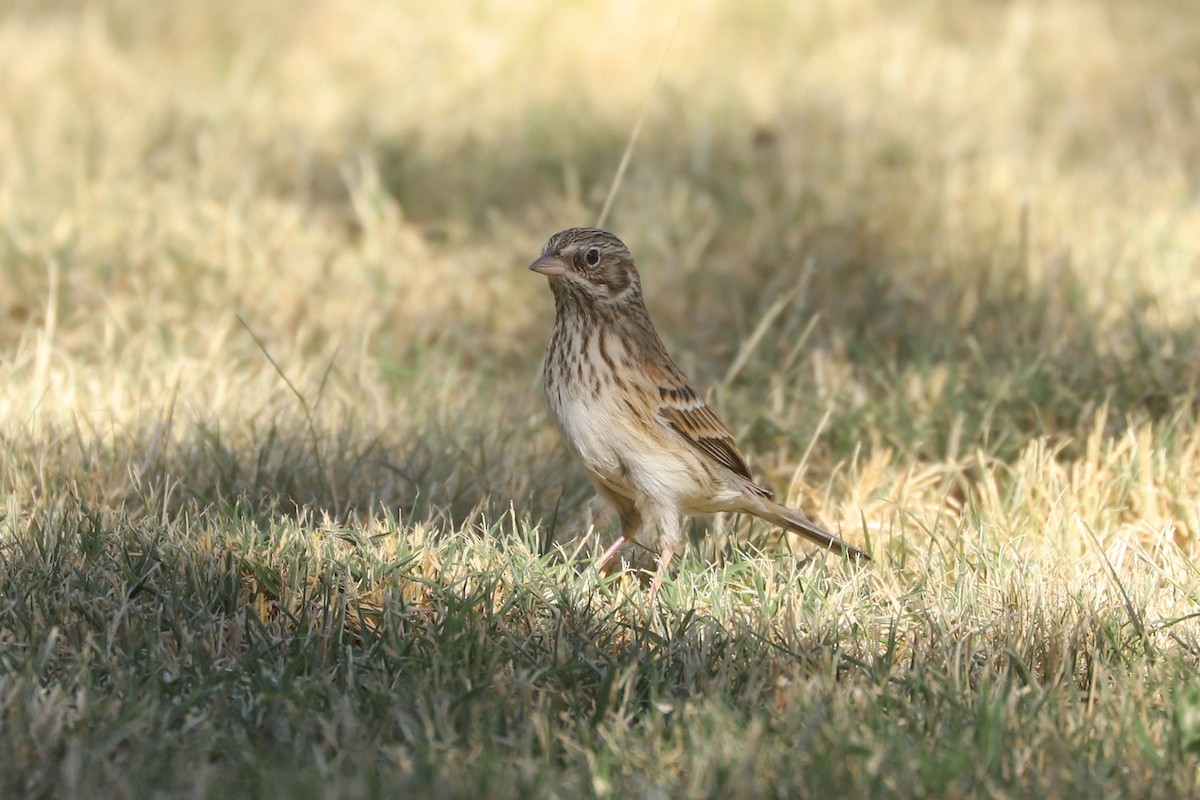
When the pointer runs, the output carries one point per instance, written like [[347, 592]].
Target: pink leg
[[602, 563], [671, 539], [663, 561], [631, 523]]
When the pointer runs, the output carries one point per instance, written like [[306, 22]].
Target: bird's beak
[[549, 266]]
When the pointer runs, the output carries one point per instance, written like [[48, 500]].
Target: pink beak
[[549, 266]]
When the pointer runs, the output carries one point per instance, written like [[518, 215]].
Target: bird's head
[[589, 263]]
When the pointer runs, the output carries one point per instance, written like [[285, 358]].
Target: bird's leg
[[663, 561], [670, 537], [608, 554], [631, 523]]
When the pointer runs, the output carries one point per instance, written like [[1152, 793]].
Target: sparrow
[[651, 445]]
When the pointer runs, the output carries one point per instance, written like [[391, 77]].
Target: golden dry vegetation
[[281, 499]]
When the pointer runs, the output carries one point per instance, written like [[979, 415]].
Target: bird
[[652, 447]]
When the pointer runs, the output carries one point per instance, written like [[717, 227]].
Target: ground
[[283, 510]]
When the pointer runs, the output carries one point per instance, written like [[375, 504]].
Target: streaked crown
[[596, 263]]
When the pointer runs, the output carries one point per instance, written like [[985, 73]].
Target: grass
[[283, 513]]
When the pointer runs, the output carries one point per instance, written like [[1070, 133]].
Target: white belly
[[622, 453], [639, 458]]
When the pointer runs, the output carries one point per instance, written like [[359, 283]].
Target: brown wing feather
[[686, 413]]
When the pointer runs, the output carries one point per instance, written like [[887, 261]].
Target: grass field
[[283, 513]]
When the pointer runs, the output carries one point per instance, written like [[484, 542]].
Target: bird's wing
[[687, 414]]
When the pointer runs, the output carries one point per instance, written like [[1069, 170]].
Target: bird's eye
[[592, 257]]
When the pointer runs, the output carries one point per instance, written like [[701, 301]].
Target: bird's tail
[[795, 521]]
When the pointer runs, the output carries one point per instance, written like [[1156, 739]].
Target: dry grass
[[936, 261]]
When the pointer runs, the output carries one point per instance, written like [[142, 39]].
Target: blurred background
[[920, 253]]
